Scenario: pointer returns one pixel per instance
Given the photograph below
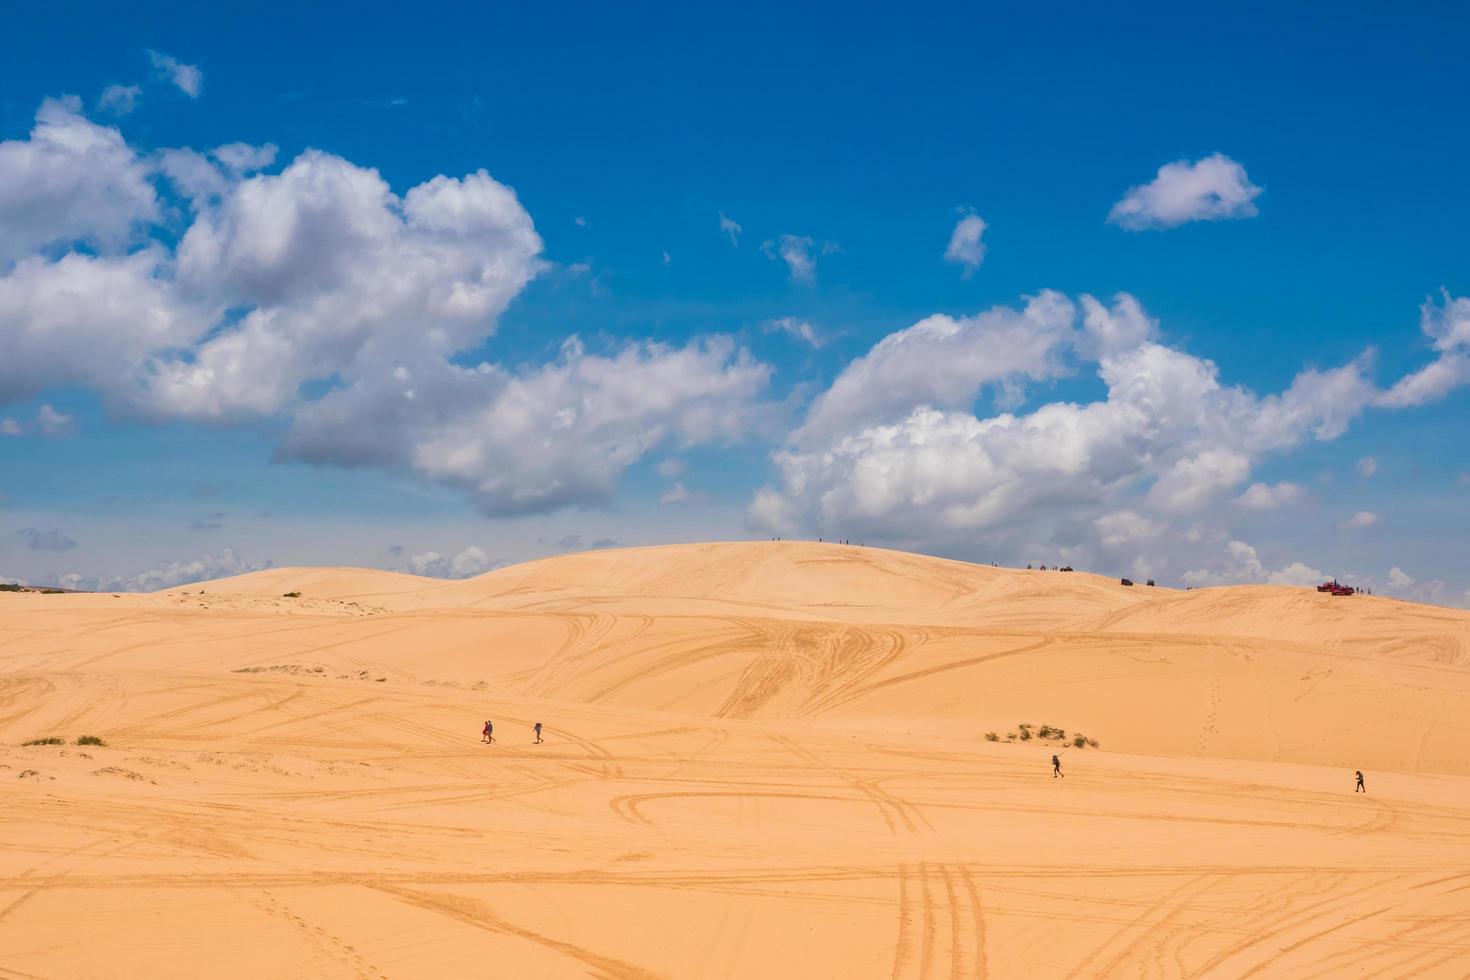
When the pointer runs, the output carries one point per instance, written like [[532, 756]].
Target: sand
[[761, 759]]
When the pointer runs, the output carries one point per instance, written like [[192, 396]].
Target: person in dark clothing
[[1360, 788], [538, 733], [1056, 767], [488, 734]]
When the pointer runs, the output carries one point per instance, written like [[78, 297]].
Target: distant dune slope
[[832, 635]]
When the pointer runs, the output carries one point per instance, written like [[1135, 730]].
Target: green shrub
[[90, 740], [53, 740]]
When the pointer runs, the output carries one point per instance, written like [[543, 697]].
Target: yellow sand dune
[[762, 759]]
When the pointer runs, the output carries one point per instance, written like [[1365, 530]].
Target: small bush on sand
[[90, 740], [290, 595], [992, 737], [53, 740]]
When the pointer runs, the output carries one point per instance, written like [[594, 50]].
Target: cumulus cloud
[[45, 540], [1209, 189], [468, 563], [319, 297], [72, 181], [119, 100], [1362, 519], [1241, 564], [796, 328], [171, 574], [894, 450], [965, 248], [732, 228], [1126, 527], [534, 441], [944, 362], [186, 78], [1271, 496], [1447, 325]]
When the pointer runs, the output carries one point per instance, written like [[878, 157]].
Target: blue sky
[[223, 359]]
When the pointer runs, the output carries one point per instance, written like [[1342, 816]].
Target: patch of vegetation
[[1026, 731], [52, 740], [290, 595], [90, 740]]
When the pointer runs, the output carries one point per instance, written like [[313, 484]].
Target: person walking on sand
[[488, 735], [1056, 767], [1360, 788], [538, 733]]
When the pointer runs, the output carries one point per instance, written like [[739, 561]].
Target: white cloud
[[676, 494], [796, 252], [732, 228], [244, 158], [1210, 189], [1241, 564], [321, 273], [965, 247], [119, 100], [795, 327], [186, 78], [893, 449], [1399, 579], [54, 424], [168, 575], [1126, 527], [1362, 519], [1447, 324], [1267, 496], [1367, 466], [71, 181], [944, 362], [468, 563], [93, 320], [530, 442]]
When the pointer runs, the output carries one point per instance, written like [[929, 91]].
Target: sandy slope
[[761, 760]]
